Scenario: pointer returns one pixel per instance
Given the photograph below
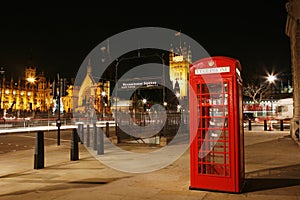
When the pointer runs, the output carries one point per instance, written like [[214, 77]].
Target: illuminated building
[[30, 93], [179, 62], [90, 95]]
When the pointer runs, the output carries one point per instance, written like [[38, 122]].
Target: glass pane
[[213, 149]]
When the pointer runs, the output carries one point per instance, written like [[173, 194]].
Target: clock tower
[[179, 62]]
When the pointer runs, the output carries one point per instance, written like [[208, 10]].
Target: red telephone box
[[216, 125]]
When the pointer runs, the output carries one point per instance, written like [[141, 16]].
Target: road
[[24, 141], [271, 161]]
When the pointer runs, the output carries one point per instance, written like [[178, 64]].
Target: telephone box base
[[210, 190]]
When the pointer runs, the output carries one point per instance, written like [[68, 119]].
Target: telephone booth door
[[217, 142]]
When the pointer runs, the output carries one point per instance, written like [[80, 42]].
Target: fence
[[170, 123]]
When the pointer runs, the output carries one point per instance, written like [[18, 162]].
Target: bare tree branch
[[256, 91]]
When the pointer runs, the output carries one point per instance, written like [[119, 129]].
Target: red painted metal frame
[[216, 125]]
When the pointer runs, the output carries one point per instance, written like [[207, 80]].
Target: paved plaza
[[272, 172]]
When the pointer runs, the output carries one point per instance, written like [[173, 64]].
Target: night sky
[[57, 40]]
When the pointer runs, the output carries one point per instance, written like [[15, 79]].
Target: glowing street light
[[103, 93], [144, 101], [2, 71], [178, 108], [31, 79], [271, 78]]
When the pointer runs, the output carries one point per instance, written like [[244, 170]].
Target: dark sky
[[59, 39]]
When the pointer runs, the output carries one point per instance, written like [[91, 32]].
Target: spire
[[184, 51], [178, 34], [189, 58], [108, 50], [105, 52], [89, 67]]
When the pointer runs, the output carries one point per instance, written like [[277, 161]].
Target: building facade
[[293, 31], [179, 63], [91, 98], [27, 94]]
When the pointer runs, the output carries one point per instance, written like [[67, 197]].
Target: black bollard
[[74, 145], [88, 135], [39, 157], [95, 137], [81, 132], [107, 129], [116, 130], [58, 124], [100, 149], [265, 125], [281, 125], [250, 126], [58, 135]]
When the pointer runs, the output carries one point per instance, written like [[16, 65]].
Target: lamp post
[[271, 80], [103, 104], [1, 82], [32, 81], [58, 96], [144, 101]]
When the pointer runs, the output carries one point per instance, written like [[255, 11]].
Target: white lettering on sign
[[133, 85], [212, 70]]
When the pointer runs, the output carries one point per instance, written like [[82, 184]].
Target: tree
[[256, 91]]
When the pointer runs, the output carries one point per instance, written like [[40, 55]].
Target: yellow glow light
[[31, 79]]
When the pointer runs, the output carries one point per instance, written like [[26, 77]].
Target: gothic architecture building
[[91, 95], [179, 63], [34, 92], [30, 93]]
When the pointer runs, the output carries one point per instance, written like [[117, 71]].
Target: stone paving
[[272, 172]]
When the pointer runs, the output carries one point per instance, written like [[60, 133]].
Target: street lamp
[[1, 81], [178, 108], [31, 80], [103, 104], [144, 101], [271, 78]]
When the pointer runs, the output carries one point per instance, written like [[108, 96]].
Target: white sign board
[[213, 70]]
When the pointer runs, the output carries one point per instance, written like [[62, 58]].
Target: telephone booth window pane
[[213, 146]]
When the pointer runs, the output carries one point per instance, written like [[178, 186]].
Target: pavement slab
[[272, 172]]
